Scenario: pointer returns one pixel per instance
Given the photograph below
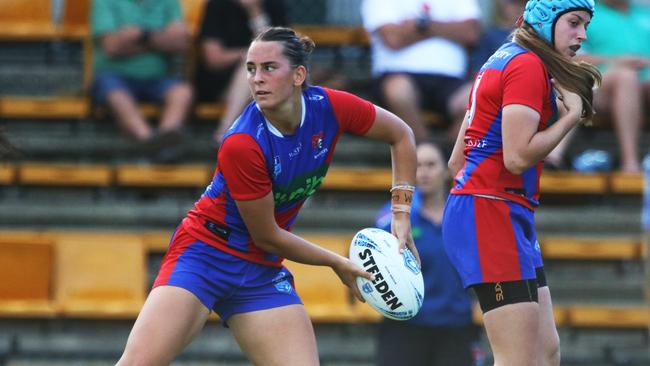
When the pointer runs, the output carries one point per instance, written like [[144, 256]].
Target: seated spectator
[[133, 44], [619, 44], [419, 59], [504, 14], [226, 31], [442, 333]]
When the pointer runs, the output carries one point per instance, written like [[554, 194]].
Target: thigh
[[548, 335], [156, 90], [170, 319], [281, 336], [513, 333]]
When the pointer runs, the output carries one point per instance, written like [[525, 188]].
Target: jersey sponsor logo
[[296, 150], [301, 187], [477, 143]]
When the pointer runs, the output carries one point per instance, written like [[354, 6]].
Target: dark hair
[[296, 48], [576, 77]]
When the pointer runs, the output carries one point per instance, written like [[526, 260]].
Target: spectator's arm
[[632, 61], [397, 36], [123, 43], [174, 38], [218, 57]]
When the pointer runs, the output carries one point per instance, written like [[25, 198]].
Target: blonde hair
[[577, 77]]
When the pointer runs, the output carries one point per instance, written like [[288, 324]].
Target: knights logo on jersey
[[317, 141]]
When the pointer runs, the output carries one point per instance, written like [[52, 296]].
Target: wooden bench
[[113, 280], [608, 316], [338, 177], [7, 174], [626, 183], [163, 175], [65, 174], [26, 268], [100, 275], [594, 248]]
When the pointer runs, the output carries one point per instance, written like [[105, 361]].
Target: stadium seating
[[102, 275], [338, 177]]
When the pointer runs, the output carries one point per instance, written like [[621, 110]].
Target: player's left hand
[[401, 228]]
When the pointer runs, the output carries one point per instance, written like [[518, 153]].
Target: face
[[271, 78], [431, 175], [571, 31]]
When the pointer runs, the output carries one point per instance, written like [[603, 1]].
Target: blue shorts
[[145, 90], [490, 240], [222, 282]]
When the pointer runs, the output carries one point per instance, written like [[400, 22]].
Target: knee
[[181, 92], [135, 358], [551, 351], [398, 89], [626, 78]]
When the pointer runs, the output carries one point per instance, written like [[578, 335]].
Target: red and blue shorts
[[490, 240], [222, 282]]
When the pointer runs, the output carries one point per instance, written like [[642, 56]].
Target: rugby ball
[[398, 289]]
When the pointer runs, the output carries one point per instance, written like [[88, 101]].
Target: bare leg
[[128, 116], [178, 100], [280, 336], [513, 332], [556, 155], [170, 318], [403, 99], [237, 96], [626, 106], [548, 349]]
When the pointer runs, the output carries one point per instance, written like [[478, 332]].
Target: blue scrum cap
[[542, 14]]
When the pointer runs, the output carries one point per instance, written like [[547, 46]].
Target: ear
[[299, 75]]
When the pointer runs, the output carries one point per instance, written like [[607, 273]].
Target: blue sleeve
[[383, 218]]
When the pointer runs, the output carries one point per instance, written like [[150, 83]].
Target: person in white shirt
[[419, 60]]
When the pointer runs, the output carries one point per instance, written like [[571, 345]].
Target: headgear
[[542, 14]]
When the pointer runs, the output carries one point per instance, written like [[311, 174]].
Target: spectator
[[623, 57], [504, 14], [419, 58], [133, 44], [442, 333], [228, 27]]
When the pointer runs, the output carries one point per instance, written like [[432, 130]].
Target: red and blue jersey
[[512, 75], [255, 159]]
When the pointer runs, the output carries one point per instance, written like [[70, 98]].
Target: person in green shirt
[[134, 42], [619, 44]]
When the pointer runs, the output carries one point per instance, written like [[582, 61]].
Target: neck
[[286, 117]]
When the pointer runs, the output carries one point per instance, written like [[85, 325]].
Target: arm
[[259, 217], [523, 145], [457, 158], [400, 35], [174, 38], [123, 43], [391, 129], [217, 57]]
